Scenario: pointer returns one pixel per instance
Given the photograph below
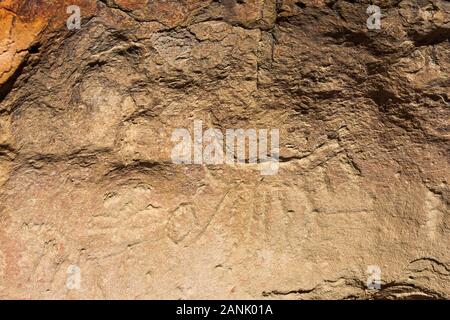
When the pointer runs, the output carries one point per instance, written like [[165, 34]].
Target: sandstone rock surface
[[87, 180]]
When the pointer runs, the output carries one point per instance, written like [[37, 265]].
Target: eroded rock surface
[[87, 180]]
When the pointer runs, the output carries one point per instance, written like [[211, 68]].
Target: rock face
[[92, 205]]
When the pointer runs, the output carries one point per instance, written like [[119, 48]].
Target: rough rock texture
[[86, 177]]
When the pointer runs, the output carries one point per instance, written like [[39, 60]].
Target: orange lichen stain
[[16, 36], [21, 23]]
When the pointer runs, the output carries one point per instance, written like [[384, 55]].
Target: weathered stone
[[87, 179]]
